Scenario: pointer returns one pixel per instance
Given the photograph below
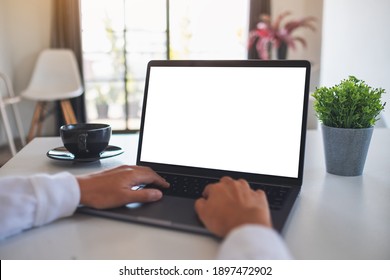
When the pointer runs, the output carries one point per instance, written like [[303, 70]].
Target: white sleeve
[[32, 201], [253, 242]]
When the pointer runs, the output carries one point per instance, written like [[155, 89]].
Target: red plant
[[275, 34]]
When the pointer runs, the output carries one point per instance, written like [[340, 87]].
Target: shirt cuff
[[253, 242], [57, 196]]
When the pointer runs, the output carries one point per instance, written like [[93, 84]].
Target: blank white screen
[[244, 119]]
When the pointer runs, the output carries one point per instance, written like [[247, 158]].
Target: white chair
[[9, 99], [56, 77]]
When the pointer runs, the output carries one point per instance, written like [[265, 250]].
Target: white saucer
[[61, 153]]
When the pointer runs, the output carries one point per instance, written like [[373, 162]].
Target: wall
[[24, 32], [356, 42], [300, 9], [4, 62], [4, 59]]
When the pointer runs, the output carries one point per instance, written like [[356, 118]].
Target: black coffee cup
[[85, 140]]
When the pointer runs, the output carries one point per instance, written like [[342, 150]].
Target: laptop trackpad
[[172, 212]]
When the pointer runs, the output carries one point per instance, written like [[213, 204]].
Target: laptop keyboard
[[192, 187]]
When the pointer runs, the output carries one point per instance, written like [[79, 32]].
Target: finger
[[158, 180], [206, 191], [261, 193], [200, 204], [148, 176], [210, 187], [244, 183], [226, 179], [120, 168], [141, 175], [144, 195], [201, 209]]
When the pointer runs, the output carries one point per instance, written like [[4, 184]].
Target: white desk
[[333, 218]]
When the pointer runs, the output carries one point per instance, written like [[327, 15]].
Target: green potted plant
[[347, 112]]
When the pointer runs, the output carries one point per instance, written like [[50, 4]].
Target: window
[[121, 36]]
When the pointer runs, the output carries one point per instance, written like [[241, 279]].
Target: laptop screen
[[226, 116]]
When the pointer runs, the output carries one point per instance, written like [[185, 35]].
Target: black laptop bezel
[[211, 173]]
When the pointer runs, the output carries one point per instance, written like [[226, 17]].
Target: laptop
[[205, 119]]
